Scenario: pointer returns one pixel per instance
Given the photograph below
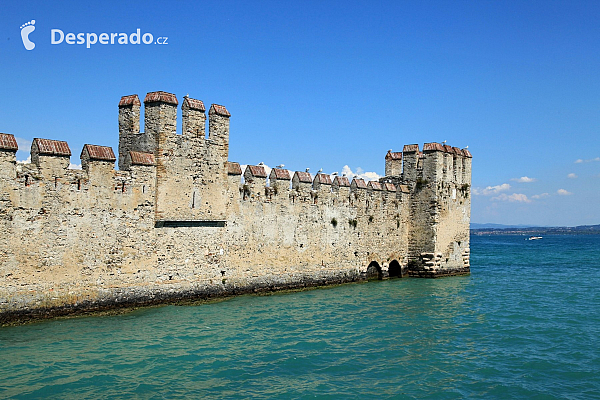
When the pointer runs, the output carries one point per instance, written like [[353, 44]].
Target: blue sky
[[328, 84]]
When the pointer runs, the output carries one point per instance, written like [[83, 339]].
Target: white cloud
[[27, 161], [540, 196], [490, 190], [572, 176], [24, 147], [360, 174], [524, 179], [347, 171], [267, 169], [513, 198], [579, 161], [563, 192], [24, 144]]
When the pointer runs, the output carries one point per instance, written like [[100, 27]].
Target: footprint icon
[[26, 29]]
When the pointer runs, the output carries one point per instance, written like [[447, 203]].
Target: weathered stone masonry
[[177, 221]]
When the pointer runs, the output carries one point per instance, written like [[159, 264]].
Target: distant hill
[[537, 231], [496, 226]]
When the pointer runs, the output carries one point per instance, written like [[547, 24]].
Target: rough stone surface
[[186, 227]]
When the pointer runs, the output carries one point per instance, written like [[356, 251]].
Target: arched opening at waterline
[[374, 271], [395, 269]]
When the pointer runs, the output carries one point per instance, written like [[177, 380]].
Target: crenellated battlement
[[178, 212]]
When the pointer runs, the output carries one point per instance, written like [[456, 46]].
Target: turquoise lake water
[[525, 324]]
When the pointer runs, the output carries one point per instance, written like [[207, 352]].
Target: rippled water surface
[[525, 324]]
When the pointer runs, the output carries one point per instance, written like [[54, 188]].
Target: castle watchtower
[[440, 207]]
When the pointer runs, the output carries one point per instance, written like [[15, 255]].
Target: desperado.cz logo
[[57, 36]]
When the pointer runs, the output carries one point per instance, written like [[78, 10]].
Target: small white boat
[[533, 238]]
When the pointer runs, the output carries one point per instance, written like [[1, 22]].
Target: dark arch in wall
[[374, 271], [395, 269]]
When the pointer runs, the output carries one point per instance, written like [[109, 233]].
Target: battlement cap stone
[[457, 151], [161, 97], [467, 153], [448, 149], [323, 179], [193, 104], [303, 176], [375, 185], [257, 171], [341, 181], [139, 158], [410, 148], [50, 147], [132, 99], [359, 183], [390, 187], [8, 142], [219, 110], [279, 173], [433, 147], [393, 155], [233, 168], [103, 153], [404, 188]]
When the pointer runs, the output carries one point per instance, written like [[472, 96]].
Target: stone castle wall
[[178, 221]]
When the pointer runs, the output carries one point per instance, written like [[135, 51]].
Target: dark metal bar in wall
[[190, 224]]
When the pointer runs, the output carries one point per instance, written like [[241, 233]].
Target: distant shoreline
[[539, 231]]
